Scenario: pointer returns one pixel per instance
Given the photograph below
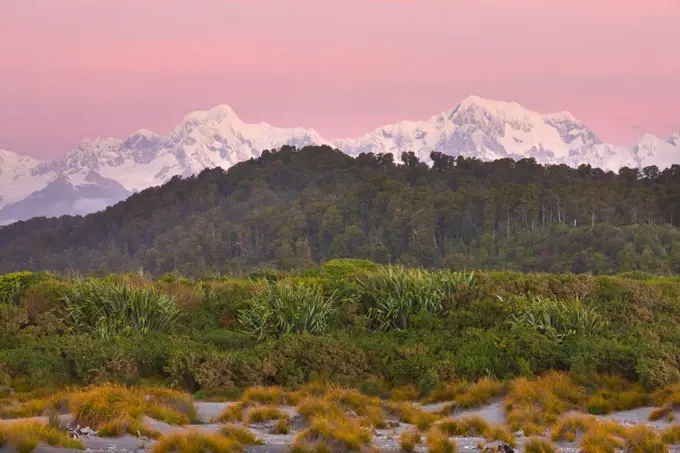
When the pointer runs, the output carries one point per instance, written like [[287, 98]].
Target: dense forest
[[293, 208]]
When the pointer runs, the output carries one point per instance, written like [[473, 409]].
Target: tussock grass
[[126, 425], [475, 426], [409, 413], [667, 400], [603, 437], [671, 435], [282, 427], [232, 413], [449, 391], [25, 437], [367, 407], [405, 393], [259, 414], [643, 439], [616, 394], [195, 442], [480, 393], [438, 442], [337, 429], [310, 447], [534, 404], [409, 439], [112, 407], [538, 445], [570, 426], [264, 395], [240, 434], [313, 406]]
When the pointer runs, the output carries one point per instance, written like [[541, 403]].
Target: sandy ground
[[386, 439]]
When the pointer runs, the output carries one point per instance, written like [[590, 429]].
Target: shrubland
[[416, 334]]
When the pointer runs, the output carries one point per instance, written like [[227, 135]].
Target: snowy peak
[[102, 171]]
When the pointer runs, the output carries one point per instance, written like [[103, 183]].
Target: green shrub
[[396, 294], [284, 307], [557, 318], [110, 309]]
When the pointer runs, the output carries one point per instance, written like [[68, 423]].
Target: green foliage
[[283, 307], [15, 285], [557, 318], [110, 309], [396, 294]]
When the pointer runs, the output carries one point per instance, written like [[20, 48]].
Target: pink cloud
[[76, 68]]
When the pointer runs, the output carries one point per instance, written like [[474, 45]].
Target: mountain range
[[101, 172]]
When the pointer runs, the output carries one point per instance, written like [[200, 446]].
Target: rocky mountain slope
[[101, 172]]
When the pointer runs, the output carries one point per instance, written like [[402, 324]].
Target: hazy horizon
[[75, 69]]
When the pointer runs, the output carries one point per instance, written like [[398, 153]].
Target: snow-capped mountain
[[491, 130], [101, 172]]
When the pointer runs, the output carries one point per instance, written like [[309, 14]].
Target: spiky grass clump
[[313, 406], [366, 407], [538, 445], [127, 425], [405, 393], [438, 442], [480, 393], [643, 439], [473, 426], [570, 426], [310, 447], [282, 427], [25, 437], [671, 435], [337, 429], [603, 437], [113, 407], [259, 414], [240, 435], [409, 413], [616, 394], [449, 391], [532, 405], [397, 294], [667, 400], [409, 439], [195, 442], [264, 395], [282, 307], [232, 413], [108, 309]]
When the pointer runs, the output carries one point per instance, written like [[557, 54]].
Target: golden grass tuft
[[643, 439], [409, 413], [570, 426], [335, 428], [480, 393], [113, 407], [475, 426], [405, 393], [126, 425], [25, 437], [367, 407], [409, 439], [539, 402], [603, 437], [259, 414], [282, 427], [264, 395], [240, 435], [195, 442], [310, 447], [671, 435], [232, 413], [619, 398], [438, 442], [538, 445], [449, 391]]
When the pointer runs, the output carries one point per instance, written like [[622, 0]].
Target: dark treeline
[[292, 208]]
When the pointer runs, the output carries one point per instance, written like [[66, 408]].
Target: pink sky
[[71, 69]]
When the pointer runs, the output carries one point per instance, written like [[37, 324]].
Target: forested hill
[[291, 208]]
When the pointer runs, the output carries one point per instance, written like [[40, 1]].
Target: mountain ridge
[[102, 171]]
